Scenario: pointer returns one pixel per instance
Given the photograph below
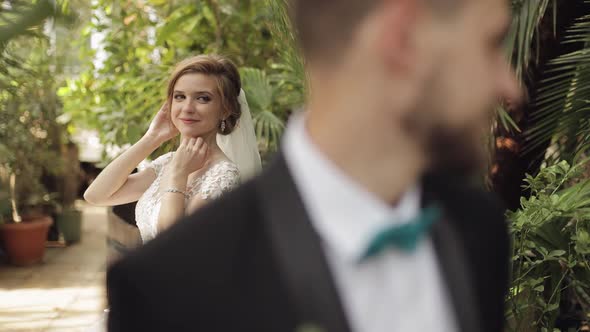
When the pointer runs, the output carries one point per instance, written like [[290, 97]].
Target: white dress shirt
[[393, 291]]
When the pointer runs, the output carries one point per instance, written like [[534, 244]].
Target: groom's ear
[[396, 26]]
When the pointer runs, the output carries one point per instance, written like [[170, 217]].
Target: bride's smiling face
[[196, 106]]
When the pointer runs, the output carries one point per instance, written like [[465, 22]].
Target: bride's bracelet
[[176, 191]]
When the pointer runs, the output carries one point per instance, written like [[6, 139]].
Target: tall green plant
[[30, 136], [551, 250]]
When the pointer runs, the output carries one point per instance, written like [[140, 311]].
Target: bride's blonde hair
[[228, 80]]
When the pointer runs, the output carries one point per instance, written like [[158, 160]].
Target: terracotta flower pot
[[24, 242]]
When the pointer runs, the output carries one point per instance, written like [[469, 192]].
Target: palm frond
[[258, 88], [506, 120], [523, 34], [521, 44], [291, 79], [20, 16], [563, 101], [269, 129], [260, 92]]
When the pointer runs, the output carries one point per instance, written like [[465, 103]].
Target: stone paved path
[[66, 292]]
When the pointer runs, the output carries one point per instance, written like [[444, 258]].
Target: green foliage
[[551, 228], [291, 76], [523, 44], [30, 136], [551, 242], [561, 104], [24, 17], [144, 40], [563, 101], [261, 94]]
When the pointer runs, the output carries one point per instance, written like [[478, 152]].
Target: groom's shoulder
[[216, 229], [226, 216], [208, 238], [193, 265]]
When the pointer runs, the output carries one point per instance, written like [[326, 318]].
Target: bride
[[208, 108]]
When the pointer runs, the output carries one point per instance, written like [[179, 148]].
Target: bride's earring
[[222, 126]]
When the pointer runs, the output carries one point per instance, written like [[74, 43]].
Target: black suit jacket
[[251, 261]]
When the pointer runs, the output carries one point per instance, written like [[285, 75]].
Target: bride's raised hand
[[190, 156], [161, 128]]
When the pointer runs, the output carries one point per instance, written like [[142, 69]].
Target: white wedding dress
[[220, 178]]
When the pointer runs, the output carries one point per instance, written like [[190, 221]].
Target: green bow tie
[[404, 237]]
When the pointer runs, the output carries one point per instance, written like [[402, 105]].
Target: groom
[[365, 221]]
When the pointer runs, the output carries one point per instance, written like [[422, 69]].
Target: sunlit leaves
[[144, 40]]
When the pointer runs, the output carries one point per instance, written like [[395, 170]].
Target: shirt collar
[[345, 214]]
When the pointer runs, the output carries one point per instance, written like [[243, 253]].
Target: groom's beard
[[448, 150], [459, 150]]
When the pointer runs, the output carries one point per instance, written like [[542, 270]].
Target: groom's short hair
[[325, 26]]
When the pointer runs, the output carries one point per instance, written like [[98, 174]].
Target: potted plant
[[24, 158], [29, 139], [23, 236], [28, 143]]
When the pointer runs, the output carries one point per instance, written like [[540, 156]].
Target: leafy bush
[[551, 248]]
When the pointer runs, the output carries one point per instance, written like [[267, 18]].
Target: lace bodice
[[218, 179]]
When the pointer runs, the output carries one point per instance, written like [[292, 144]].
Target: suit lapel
[[304, 268], [298, 251], [453, 260]]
